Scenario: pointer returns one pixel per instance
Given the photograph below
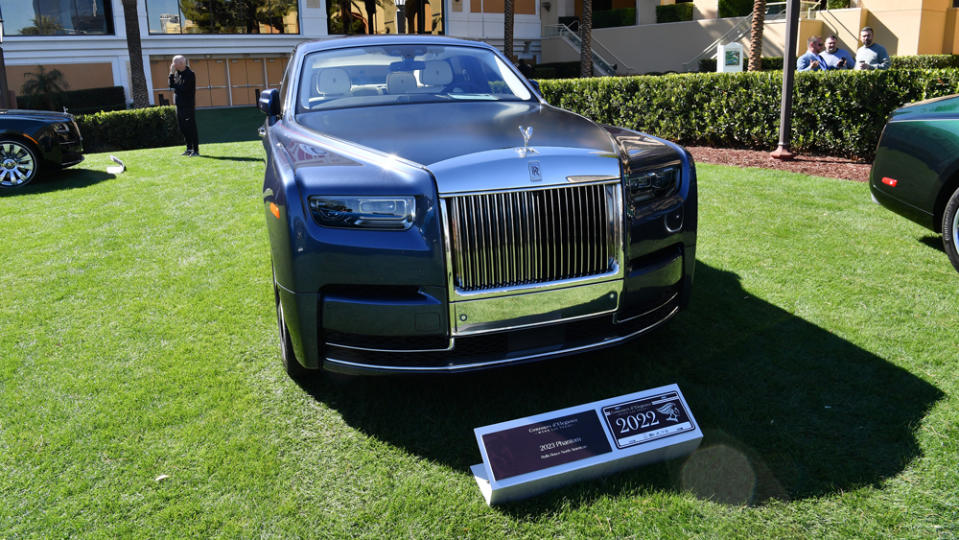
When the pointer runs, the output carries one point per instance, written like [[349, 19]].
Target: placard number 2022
[[634, 422]]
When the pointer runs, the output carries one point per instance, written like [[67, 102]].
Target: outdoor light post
[[4, 93], [789, 68], [400, 16]]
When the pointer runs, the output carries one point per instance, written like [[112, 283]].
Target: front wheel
[[294, 369], [18, 163], [950, 229]]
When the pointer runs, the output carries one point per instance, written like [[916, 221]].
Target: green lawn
[[137, 339]]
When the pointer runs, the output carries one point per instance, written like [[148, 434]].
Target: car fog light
[[395, 213]]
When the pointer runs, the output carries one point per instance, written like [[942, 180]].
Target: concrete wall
[[705, 9], [916, 27], [845, 23], [903, 27], [654, 47], [950, 42]]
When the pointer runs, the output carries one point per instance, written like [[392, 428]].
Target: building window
[[56, 17], [223, 16], [385, 16]]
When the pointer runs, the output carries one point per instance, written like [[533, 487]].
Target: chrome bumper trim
[[359, 367], [540, 308], [449, 347]]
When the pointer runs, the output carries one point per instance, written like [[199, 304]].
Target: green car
[[916, 170]]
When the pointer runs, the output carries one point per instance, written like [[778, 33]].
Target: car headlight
[[652, 183], [394, 213], [61, 127]]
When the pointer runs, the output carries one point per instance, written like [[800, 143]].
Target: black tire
[[19, 164], [293, 367], [950, 229]]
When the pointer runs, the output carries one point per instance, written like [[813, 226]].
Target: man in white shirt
[[871, 55]]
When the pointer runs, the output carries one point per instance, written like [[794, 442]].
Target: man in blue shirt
[[811, 61], [871, 55], [835, 57]]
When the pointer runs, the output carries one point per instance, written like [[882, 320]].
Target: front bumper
[[71, 153], [406, 331]]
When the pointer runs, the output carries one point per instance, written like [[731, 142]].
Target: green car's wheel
[[950, 229], [18, 163]]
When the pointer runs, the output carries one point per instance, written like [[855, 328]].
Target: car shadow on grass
[[789, 410], [229, 158], [73, 178], [934, 241]]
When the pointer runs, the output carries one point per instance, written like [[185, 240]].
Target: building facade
[[239, 47], [236, 47]]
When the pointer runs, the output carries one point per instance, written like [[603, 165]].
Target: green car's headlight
[[392, 213], [652, 183]]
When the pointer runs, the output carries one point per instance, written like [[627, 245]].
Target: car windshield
[[388, 74]]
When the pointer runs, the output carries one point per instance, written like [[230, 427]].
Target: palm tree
[[46, 84], [138, 81], [43, 25], [756, 35], [586, 36], [509, 9]]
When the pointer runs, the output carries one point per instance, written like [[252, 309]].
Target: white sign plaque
[[528, 456]]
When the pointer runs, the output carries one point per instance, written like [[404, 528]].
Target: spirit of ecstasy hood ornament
[[527, 133]]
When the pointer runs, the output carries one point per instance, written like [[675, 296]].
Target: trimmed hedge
[[612, 18], [674, 13], [130, 129], [919, 61], [837, 4], [735, 8], [90, 100], [838, 113], [925, 61]]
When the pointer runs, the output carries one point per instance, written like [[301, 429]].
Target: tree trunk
[[509, 9], [586, 36], [756, 36], [138, 80]]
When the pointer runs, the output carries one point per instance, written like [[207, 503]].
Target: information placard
[[527, 456], [541, 445]]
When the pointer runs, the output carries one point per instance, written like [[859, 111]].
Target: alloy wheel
[[18, 164]]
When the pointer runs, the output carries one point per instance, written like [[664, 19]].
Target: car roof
[[399, 39]]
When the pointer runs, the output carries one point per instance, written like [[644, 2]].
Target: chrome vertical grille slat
[[528, 237]]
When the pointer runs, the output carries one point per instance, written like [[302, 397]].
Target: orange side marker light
[[275, 210], [891, 182]]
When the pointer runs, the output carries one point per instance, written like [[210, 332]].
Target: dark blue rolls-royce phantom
[[428, 211]]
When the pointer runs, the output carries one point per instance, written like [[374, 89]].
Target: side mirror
[[269, 102]]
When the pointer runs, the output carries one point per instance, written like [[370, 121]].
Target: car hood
[[946, 107], [436, 132], [49, 116]]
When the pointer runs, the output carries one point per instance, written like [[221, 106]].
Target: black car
[[35, 141]]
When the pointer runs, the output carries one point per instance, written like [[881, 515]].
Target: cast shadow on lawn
[[934, 241], [788, 410], [72, 178], [229, 158]]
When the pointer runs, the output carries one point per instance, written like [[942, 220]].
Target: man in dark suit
[[183, 83]]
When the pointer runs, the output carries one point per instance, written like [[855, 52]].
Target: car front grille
[[534, 236]]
